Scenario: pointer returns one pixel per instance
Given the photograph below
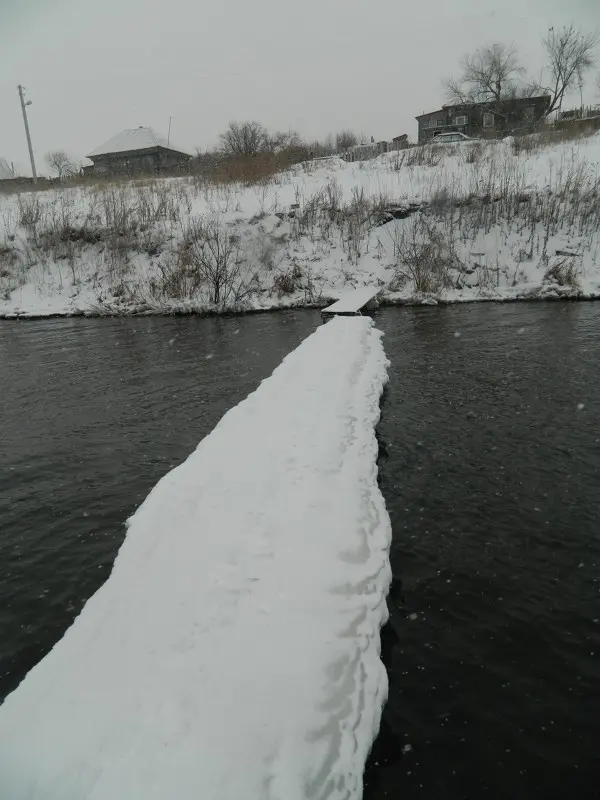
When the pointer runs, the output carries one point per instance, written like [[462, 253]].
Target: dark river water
[[490, 467]]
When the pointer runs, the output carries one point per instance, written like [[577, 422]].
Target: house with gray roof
[[136, 151]]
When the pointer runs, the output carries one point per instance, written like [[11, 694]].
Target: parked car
[[452, 138]]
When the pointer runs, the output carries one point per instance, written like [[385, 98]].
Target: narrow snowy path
[[233, 654]]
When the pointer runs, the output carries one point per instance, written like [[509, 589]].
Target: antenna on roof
[[169, 133]]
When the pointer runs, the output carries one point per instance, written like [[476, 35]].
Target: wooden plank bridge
[[352, 303]]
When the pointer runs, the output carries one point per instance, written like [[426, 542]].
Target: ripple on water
[[488, 467]]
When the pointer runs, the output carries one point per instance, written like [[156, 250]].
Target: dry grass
[[288, 281], [425, 255], [425, 155], [563, 271], [473, 153], [551, 136]]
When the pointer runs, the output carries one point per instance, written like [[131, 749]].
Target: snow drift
[[234, 651]]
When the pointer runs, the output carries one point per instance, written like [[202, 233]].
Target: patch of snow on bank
[[233, 654]]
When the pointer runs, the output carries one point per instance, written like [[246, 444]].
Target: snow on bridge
[[234, 651], [352, 302]]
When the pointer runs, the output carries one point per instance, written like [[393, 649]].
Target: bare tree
[[490, 74], [280, 141], [60, 162], [212, 253], [571, 54], [244, 139], [345, 139]]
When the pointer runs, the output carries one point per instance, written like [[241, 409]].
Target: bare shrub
[[473, 153], [8, 257], [282, 141], [61, 162], [287, 282], [398, 282], [564, 272], [354, 224], [156, 203], [244, 138], [425, 255], [10, 221], [264, 167], [213, 253], [380, 203], [83, 234], [345, 139], [309, 215], [117, 210], [12, 270], [423, 156], [398, 161], [313, 287], [524, 144], [30, 211], [177, 280], [549, 137], [266, 251], [332, 199], [441, 200]]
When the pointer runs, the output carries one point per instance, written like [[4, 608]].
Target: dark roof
[[134, 139], [486, 104]]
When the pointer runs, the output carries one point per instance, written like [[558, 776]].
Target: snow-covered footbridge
[[233, 654]]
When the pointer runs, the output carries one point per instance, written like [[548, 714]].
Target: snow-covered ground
[[233, 654], [484, 221]]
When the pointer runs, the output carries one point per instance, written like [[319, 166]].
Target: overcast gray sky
[[94, 68]]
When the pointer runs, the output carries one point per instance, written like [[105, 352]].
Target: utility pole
[[24, 110], [169, 134]]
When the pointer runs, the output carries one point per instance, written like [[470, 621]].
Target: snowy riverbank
[[495, 221]]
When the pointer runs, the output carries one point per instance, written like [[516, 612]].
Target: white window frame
[[461, 120], [488, 119]]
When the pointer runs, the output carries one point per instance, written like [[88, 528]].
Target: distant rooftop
[[483, 103], [6, 172], [134, 139]]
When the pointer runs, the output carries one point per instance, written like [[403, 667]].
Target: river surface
[[490, 467]]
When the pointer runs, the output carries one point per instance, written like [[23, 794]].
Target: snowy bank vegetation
[[518, 218]]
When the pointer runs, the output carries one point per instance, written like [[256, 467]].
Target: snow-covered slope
[[451, 223], [233, 654]]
